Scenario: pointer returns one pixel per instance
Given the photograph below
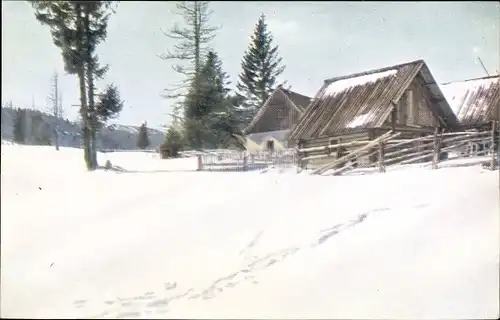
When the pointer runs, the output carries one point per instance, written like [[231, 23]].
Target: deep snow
[[160, 241]]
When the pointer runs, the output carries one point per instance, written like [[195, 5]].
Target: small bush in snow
[[173, 143], [108, 165]]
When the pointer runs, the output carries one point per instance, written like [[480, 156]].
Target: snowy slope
[[166, 242]]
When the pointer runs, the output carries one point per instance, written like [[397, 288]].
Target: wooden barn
[[270, 128], [404, 98], [475, 102]]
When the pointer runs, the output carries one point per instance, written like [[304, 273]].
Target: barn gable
[[281, 111], [367, 100], [475, 102]]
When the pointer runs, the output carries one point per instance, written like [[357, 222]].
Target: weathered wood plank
[[357, 152], [435, 158], [381, 165]]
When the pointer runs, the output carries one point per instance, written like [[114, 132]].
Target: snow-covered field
[[160, 241]]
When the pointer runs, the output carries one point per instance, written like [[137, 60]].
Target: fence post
[[381, 157], [493, 132], [437, 149], [245, 161], [200, 163], [299, 155]]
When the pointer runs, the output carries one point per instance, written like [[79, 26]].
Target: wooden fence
[[375, 155], [388, 151], [243, 161], [129, 150]]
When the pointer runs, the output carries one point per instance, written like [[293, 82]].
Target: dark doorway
[[270, 145]]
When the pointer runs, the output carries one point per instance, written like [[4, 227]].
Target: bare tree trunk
[[197, 37], [197, 66], [85, 118], [90, 91], [92, 117], [93, 128], [83, 104]]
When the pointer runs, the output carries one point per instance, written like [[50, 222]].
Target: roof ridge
[[471, 79], [294, 92], [364, 73]]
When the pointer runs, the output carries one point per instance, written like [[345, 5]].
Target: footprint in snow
[[170, 285], [128, 315]]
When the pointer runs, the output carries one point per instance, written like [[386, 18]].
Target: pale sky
[[317, 40]]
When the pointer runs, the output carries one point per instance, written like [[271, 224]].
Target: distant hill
[[115, 136]]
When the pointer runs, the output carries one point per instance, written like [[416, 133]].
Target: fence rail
[[243, 161], [387, 150], [374, 155]]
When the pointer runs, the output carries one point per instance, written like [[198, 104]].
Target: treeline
[[206, 110], [29, 126], [35, 127]]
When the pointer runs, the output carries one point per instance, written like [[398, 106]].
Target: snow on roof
[[358, 121], [343, 84], [460, 94]]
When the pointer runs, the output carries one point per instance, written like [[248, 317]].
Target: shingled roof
[[475, 101], [365, 100]]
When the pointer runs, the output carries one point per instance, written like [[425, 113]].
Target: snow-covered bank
[[413, 243]]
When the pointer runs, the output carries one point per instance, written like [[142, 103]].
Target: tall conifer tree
[[261, 66]]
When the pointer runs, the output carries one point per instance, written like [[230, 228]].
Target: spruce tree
[[174, 142], [39, 129], [19, 126], [261, 65], [64, 18], [45, 136], [108, 106], [217, 107], [203, 102], [143, 138], [77, 27], [192, 45], [95, 24]]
